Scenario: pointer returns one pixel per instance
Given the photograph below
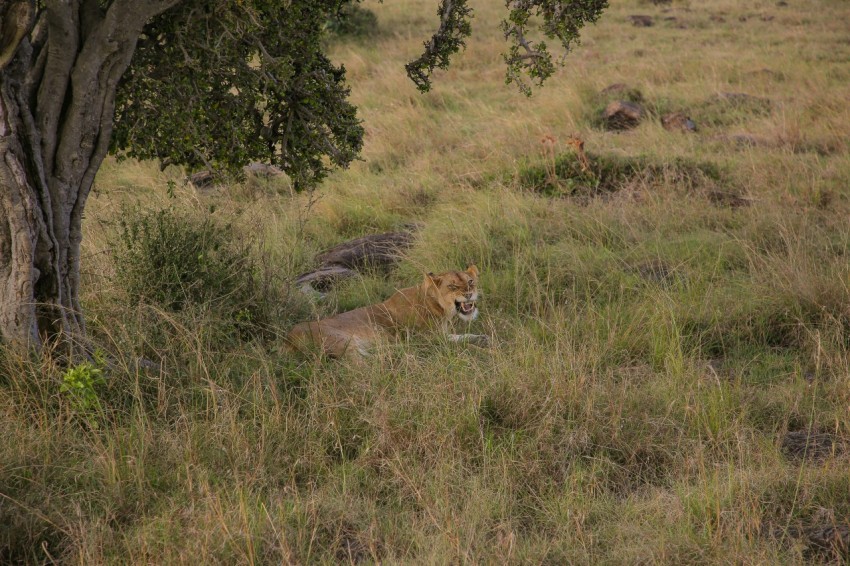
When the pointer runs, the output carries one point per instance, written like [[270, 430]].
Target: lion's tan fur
[[353, 333]]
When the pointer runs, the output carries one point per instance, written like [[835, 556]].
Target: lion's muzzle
[[466, 307]]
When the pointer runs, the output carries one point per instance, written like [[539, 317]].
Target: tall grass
[[653, 343]]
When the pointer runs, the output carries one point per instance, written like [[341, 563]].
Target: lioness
[[432, 303]]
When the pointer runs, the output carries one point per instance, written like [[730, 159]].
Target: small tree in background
[[213, 83]]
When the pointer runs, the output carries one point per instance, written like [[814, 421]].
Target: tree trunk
[[22, 234], [57, 93]]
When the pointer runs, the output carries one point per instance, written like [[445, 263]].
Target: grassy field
[[669, 376]]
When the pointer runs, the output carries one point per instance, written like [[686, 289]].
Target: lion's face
[[456, 291]]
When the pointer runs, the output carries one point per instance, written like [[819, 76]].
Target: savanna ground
[[669, 327]]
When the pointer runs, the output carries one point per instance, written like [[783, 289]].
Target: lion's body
[[430, 304]]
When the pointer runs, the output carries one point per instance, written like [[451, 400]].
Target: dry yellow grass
[[654, 344]]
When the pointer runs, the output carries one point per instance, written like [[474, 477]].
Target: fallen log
[[376, 252], [322, 279]]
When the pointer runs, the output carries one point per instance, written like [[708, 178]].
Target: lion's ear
[[430, 277], [472, 270]]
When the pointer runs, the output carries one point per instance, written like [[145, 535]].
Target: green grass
[[564, 176], [660, 323]]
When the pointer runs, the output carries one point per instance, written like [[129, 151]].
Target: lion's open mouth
[[465, 307]]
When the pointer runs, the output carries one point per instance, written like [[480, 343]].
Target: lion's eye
[[452, 287]]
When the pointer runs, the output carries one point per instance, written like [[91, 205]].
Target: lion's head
[[455, 291]]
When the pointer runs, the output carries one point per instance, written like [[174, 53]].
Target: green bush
[[82, 384], [180, 260], [608, 173]]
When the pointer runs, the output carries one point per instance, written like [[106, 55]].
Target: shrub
[[180, 260], [80, 382], [609, 173]]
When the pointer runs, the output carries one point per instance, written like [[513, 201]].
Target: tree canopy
[[217, 83], [212, 83]]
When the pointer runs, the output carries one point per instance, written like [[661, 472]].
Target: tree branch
[[143, 9], [446, 41], [17, 19], [90, 15], [62, 46]]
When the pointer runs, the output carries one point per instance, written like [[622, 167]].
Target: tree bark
[[18, 234], [376, 251], [57, 93]]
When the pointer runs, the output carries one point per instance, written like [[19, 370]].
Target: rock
[[800, 444], [376, 251], [826, 540], [641, 21], [831, 538], [351, 544], [622, 115], [206, 178], [678, 121], [202, 179], [262, 170], [782, 3]]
